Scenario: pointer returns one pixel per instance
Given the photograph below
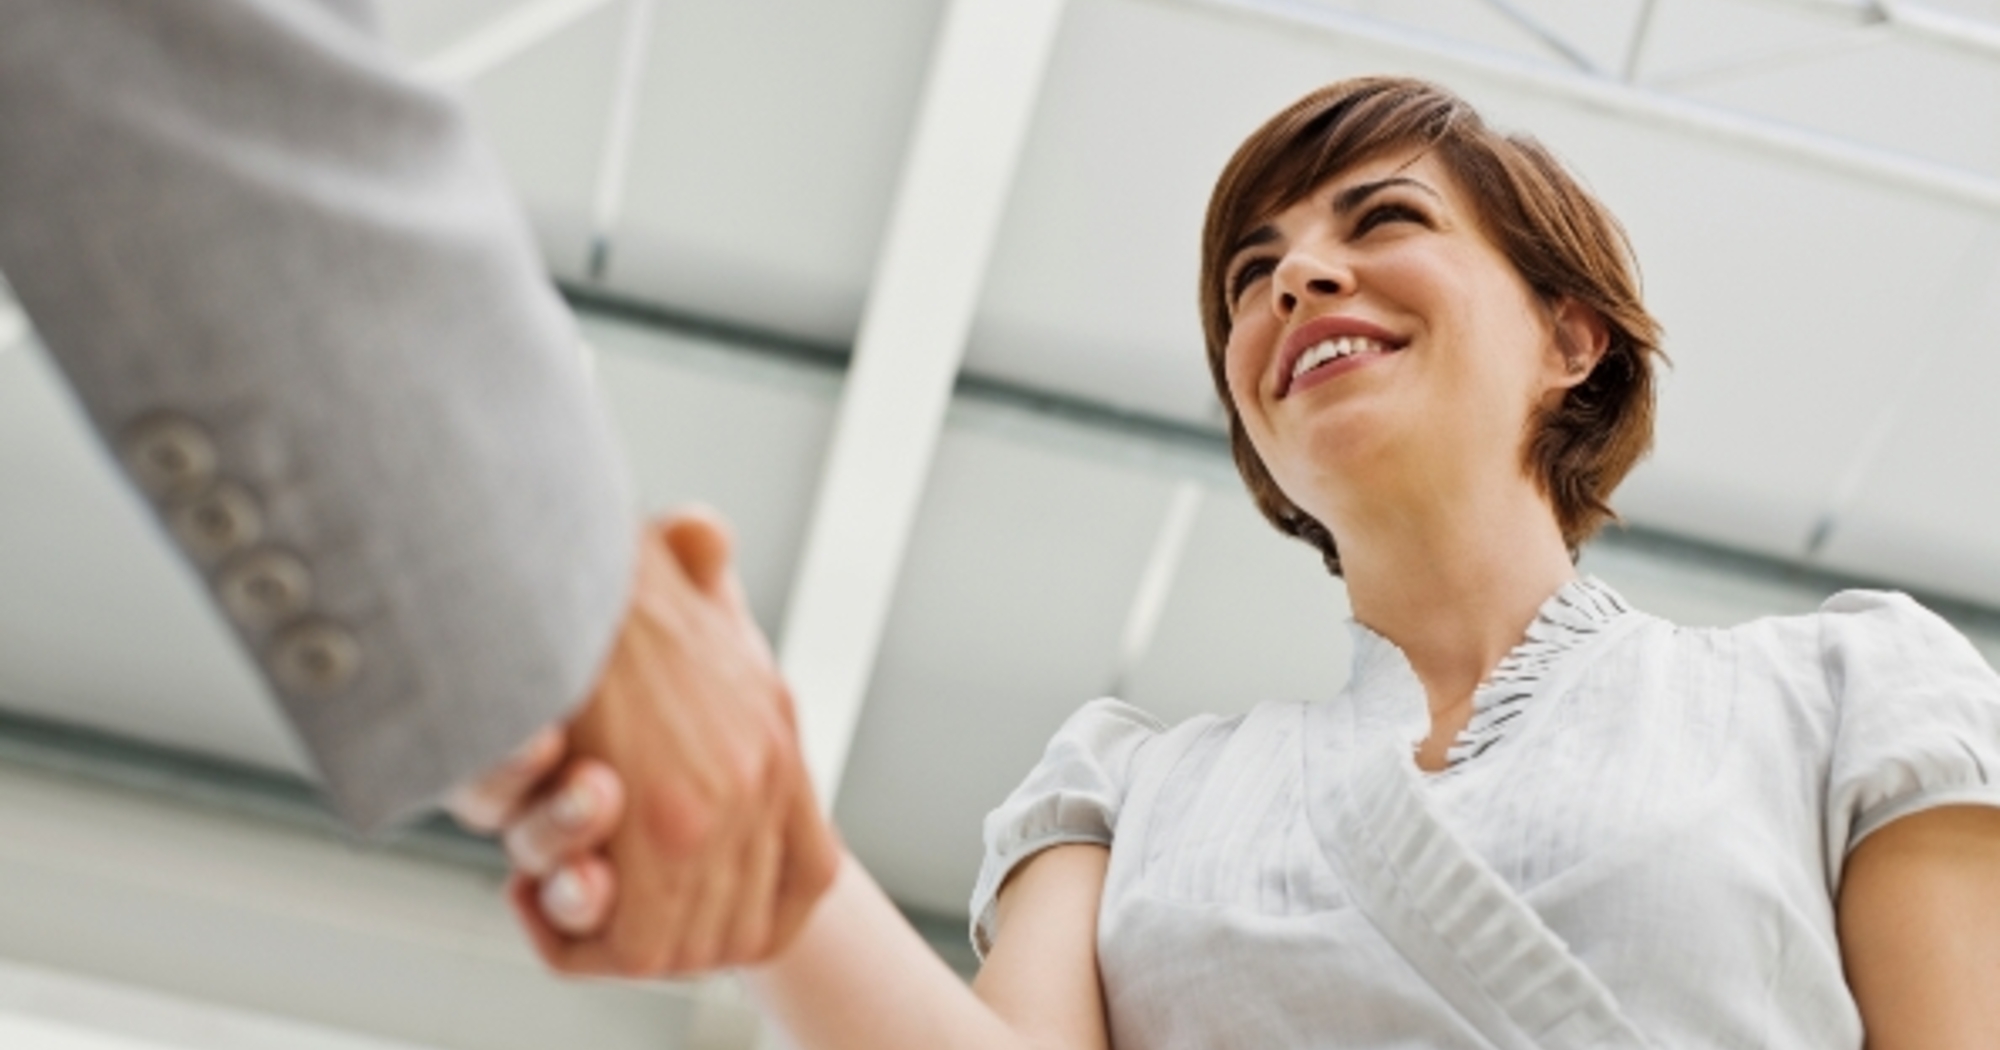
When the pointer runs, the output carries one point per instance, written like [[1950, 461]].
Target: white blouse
[[1638, 841]]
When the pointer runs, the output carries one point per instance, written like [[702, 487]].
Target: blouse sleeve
[[1919, 717], [1072, 795]]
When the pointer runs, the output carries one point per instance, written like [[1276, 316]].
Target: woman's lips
[[1330, 346], [1334, 368]]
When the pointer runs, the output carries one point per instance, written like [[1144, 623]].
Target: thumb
[[699, 540]]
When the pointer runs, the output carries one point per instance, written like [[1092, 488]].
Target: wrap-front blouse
[[1639, 840]]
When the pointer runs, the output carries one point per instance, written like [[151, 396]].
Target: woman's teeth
[[1335, 349]]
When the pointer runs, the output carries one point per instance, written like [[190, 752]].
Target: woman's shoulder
[[1074, 794], [1855, 628], [1109, 716], [1856, 620]]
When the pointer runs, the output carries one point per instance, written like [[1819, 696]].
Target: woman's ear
[[1581, 337]]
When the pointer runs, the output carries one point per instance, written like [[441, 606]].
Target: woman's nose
[[1302, 278]]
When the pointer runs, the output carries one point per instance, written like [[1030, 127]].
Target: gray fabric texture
[[247, 214]]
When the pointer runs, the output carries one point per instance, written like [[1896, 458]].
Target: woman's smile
[[1327, 347]]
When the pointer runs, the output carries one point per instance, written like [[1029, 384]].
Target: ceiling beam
[[505, 37], [1919, 22], [978, 100], [614, 163], [1545, 35], [1156, 584], [1635, 46], [1883, 167]]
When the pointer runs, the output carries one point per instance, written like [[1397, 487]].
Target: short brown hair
[[1561, 240]]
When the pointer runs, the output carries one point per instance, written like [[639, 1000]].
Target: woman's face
[[1380, 342]]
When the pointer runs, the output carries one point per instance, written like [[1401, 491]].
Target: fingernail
[[562, 896], [573, 807]]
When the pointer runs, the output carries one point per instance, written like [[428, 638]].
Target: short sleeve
[[1072, 795], [1919, 717]]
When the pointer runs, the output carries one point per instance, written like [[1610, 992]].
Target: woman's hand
[[683, 777]]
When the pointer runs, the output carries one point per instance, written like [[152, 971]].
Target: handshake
[[670, 827]]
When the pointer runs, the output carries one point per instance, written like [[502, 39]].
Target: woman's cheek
[[1243, 365]]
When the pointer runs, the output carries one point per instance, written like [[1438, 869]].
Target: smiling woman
[[1505, 191], [1535, 818]]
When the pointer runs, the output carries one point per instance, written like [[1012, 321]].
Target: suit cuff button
[[168, 455], [264, 588], [216, 524], [316, 659]]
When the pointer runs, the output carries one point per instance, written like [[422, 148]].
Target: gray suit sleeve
[[296, 299]]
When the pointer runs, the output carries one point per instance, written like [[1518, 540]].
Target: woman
[[1535, 817]]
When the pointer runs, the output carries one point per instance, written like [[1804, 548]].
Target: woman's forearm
[[858, 976]]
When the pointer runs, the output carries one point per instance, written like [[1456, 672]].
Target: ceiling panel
[[769, 138], [1926, 511], [1599, 31], [742, 432], [1780, 287], [545, 113], [1024, 559], [418, 29], [1253, 616], [1945, 107], [1690, 40]]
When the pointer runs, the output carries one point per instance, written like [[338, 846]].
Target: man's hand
[[686, 757]]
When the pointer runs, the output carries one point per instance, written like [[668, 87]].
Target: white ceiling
[[1795, 294], [1834, 338]]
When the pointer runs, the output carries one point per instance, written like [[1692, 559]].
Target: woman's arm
[[858, 976], [1920, 930]]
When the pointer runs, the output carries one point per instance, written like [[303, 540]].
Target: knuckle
[[522, 852], [681, 827]]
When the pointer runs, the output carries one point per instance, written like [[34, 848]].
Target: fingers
[[577, 815], [701, 543], [578, 897], [486, 804], [692, 713]]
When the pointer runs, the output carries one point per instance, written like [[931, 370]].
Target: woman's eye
[[1388, 213], [1250, 273]]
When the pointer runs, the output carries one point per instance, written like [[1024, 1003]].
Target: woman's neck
[[1455, 586]]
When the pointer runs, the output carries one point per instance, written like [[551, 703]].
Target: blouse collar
[[1387, 697]]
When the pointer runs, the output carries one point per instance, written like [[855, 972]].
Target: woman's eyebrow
[[1264, 234], [1354, 196]]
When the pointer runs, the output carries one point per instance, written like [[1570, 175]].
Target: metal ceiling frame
[[978, 100], [1548, 37], [614, 163], [1882, 167], [1919, 22]]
